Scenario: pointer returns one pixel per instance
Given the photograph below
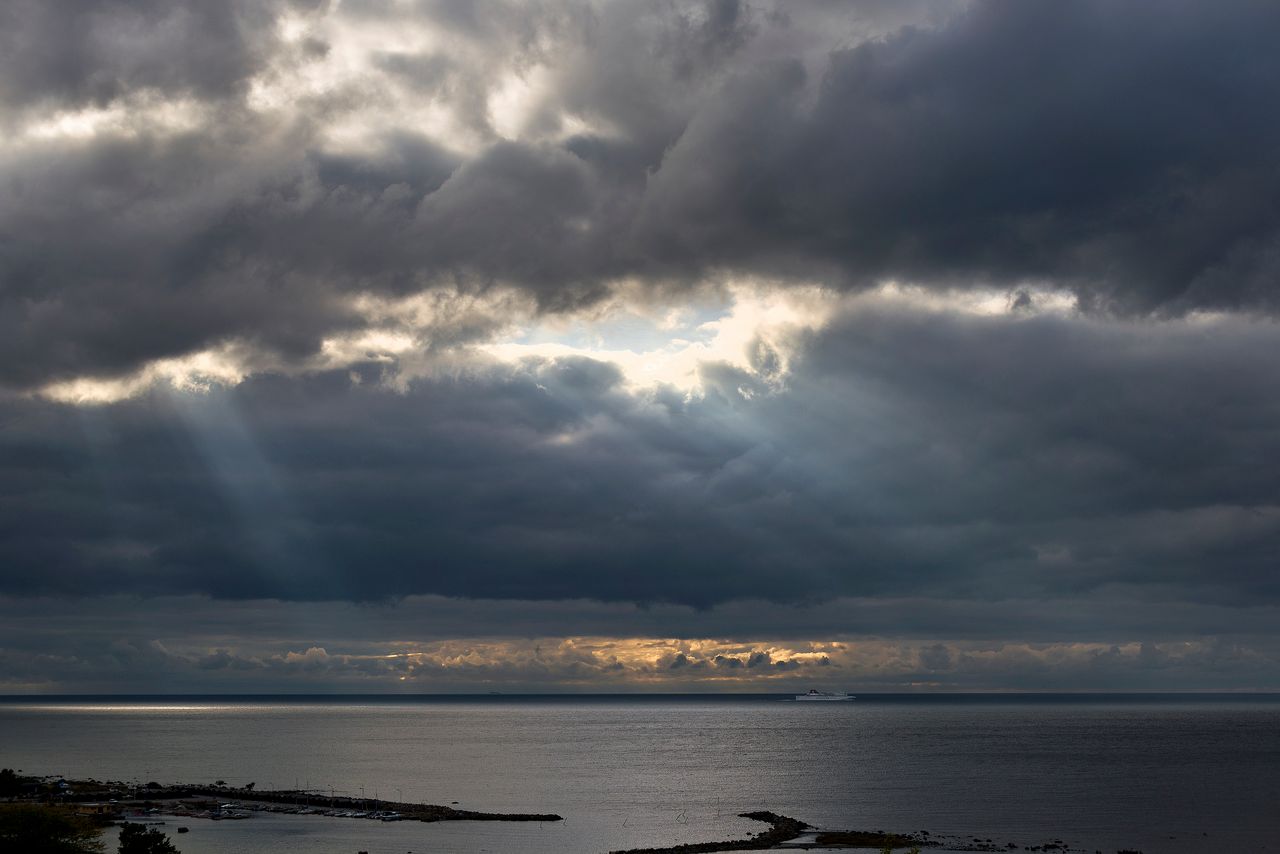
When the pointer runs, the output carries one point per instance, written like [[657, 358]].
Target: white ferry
[[815, 694]]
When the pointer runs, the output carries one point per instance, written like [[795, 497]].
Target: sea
[[1160, 774]]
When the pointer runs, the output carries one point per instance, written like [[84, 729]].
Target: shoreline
[[782, 828], [202, 800], [320, 804], [115, 802]]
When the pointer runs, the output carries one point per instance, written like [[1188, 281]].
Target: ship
[[815, 694]]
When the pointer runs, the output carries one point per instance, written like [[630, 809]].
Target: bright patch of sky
[[753, 327], [672, 349]]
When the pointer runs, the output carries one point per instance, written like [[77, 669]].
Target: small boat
[[815, 694]]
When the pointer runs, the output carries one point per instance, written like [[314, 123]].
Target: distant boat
[[815, 694]]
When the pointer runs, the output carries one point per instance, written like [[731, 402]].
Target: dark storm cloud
[[179, 177], [1124, 151], [914, 454], [70, 53]]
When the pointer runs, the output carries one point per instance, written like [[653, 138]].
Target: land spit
[[223, 802], [784, 829], [785, 834], [348, 807]]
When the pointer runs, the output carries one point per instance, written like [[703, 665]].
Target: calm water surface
[[1188, 774]]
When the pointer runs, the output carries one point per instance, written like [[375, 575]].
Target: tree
[[34, 829], [137, 839], [10, 784]]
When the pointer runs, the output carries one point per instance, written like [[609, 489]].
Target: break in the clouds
[[923, 344]]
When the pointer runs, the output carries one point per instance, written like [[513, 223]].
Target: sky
[[587, 345]]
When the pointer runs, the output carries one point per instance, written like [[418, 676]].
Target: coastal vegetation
[[40, 829], [33, 828], [139, 839], [10, 783]]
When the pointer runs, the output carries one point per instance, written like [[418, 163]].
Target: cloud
[[192, 643], [77, 54], [947, 326], [194, 661], [911, 451], [180, 180], [1014, 142]]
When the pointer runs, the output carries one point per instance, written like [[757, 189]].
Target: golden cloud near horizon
[[650, 662]]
